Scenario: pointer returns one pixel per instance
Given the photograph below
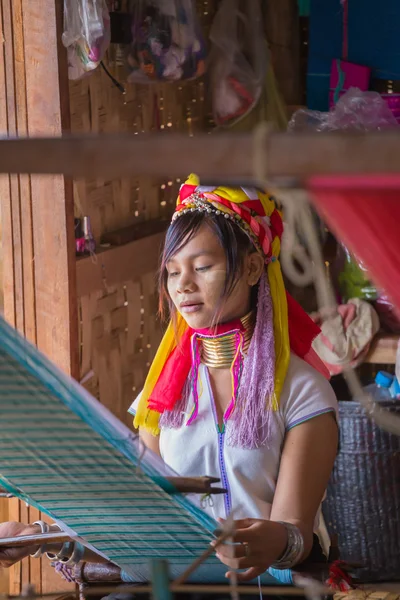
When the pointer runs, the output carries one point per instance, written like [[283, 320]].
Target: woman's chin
[[197, 321]]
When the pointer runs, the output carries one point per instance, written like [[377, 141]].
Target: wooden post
[[37, 213], [160, 580]]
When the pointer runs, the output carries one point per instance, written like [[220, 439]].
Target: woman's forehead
[[203, 243]]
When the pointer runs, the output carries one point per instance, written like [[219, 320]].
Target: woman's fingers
[[237, 563], [248, 575], [233, 551]]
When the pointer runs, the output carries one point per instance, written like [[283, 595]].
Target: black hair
[[236, 244]]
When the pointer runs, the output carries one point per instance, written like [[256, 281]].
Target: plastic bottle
[[380, 389], [394, 389]]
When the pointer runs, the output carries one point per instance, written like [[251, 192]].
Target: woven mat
[[363, 594]]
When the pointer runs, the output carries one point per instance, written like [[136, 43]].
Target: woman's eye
[[203, 268], [173, 274]]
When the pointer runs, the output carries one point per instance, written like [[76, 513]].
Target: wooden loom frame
[[284, 159]]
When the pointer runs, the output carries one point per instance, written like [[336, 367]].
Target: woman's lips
[[190, 308]]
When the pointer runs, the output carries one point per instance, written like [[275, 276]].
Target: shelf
[[118, 264], [383, 349]]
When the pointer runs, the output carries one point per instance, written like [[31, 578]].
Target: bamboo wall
[[118, 323]]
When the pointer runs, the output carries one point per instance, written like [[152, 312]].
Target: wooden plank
[[119, 264], [217, 158], [5, 192], [4, 574], [52, 205], [51, 216], [24, 187], [15, 572], [383, 350]]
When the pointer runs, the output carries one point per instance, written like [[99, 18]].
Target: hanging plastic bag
[[167, 42], [354, 111], [238, 60], [86, 35]]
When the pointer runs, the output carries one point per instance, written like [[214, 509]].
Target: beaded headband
[[197, 202]]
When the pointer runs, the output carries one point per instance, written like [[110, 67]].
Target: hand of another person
[[10, 556], [259, 543]]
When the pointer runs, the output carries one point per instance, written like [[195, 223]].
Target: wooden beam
[[219, 157], [383, 349], [116, 265]]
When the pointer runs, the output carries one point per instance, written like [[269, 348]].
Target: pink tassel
[[196, 359]]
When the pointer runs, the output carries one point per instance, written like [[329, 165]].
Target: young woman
[[235, 390]]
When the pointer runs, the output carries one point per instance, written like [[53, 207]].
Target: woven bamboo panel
[[98, 106], [119, 335]]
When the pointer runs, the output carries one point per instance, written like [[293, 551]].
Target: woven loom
[[65, 454]]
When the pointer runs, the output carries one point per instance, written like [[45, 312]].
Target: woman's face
[[196, 279]]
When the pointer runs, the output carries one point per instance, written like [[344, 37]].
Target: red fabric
[[276, 224], [169, 387], [364, 213], [186, 191], [302, 329], [256, 206], [339, 579]]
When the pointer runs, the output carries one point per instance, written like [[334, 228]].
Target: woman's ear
[[255, 266]]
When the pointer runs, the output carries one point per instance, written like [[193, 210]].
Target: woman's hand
[[259, 544], [10, 556]]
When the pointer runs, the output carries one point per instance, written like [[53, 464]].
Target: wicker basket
[[363, 500]]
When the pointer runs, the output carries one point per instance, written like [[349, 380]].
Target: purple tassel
[[196, 360], [249, 426], [65, 571]]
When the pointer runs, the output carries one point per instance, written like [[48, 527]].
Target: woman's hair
[[236, 244]]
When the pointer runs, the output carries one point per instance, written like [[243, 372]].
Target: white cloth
[[249, 475]]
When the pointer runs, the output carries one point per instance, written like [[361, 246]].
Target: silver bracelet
[[294, 549], [64, 554], [77, 555], [44, 528]]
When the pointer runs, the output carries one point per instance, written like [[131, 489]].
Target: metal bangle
[[77, 555], [294, 549], [65, 553], [44, 528]]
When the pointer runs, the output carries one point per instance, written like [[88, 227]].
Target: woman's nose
[[185, 283]]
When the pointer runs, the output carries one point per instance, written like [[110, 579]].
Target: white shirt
[[250, 476]]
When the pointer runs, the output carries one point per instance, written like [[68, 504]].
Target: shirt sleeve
[[306, 394], [133, 407]]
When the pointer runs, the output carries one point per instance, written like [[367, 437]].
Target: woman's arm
[[10, 556], [307, 460], [151, 442]]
